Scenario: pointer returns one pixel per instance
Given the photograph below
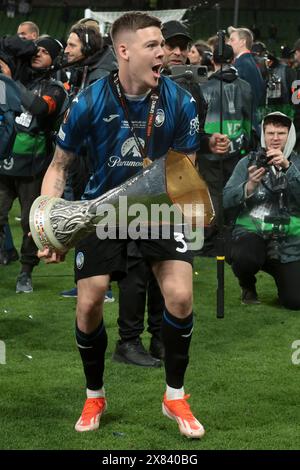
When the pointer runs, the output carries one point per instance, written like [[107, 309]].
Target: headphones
[[84, 36], [86, 46]]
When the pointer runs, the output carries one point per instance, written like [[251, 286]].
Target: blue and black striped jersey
[[97, 118]]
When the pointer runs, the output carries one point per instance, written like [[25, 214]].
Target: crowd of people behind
[[260, 173]]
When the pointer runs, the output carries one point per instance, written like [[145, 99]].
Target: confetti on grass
[[27, 355]]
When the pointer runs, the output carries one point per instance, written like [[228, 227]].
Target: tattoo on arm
[[62, 160], [59, 185]]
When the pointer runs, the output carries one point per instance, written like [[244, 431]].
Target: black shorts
[[94, 257]]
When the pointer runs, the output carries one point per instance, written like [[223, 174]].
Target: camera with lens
[[260, 159], [193, 73], [274, 86], [280, 224]]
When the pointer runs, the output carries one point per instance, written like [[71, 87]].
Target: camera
[[274, 86], [278, 235], [195, 73], [260, 159]]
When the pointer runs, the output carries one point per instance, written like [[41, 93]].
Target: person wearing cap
[[264, 189], [237, 125], [279, 83], [176, 49], [21, 175], [259, 54], [140, 280], [286, 56]]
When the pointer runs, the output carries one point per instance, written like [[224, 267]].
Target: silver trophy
[[171, 179]]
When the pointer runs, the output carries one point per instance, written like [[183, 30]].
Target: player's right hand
[[50, 256]]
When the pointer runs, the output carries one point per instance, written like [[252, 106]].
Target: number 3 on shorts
[[179, 238]]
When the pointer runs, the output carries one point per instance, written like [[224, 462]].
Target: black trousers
[[249, 255], [26, 189], [138, 285], [210, 170]]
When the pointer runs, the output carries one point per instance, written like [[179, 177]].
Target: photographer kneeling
[[265, 189]]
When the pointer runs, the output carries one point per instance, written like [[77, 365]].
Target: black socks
[[92, 349], [176, 336]]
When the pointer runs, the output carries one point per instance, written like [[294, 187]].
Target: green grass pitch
[[244, 386]]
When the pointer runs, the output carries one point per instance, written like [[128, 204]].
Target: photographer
[[17, 54], [22, 172], [279, 85], [265, 189]]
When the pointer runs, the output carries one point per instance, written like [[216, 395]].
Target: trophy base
[[39, 219]]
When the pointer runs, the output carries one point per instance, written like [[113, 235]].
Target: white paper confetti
[[28, 356]]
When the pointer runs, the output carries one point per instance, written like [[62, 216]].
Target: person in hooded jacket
[[265, 190]]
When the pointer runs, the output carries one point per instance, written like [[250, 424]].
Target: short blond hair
[[243, 33]]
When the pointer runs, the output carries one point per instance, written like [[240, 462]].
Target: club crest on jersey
[[79, 260], [130, 149], [160, 118]]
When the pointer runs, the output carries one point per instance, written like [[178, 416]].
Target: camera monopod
[[220, 214]]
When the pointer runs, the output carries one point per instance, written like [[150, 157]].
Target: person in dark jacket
[[140, 279], [265, 190], [21, 174], [176, 49], [236, 124], [241, 40], [89, 59], [279, 87]]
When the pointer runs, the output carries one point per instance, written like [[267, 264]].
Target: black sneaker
[[157, 349], [133, 352], [249, 296], [24, 283]]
